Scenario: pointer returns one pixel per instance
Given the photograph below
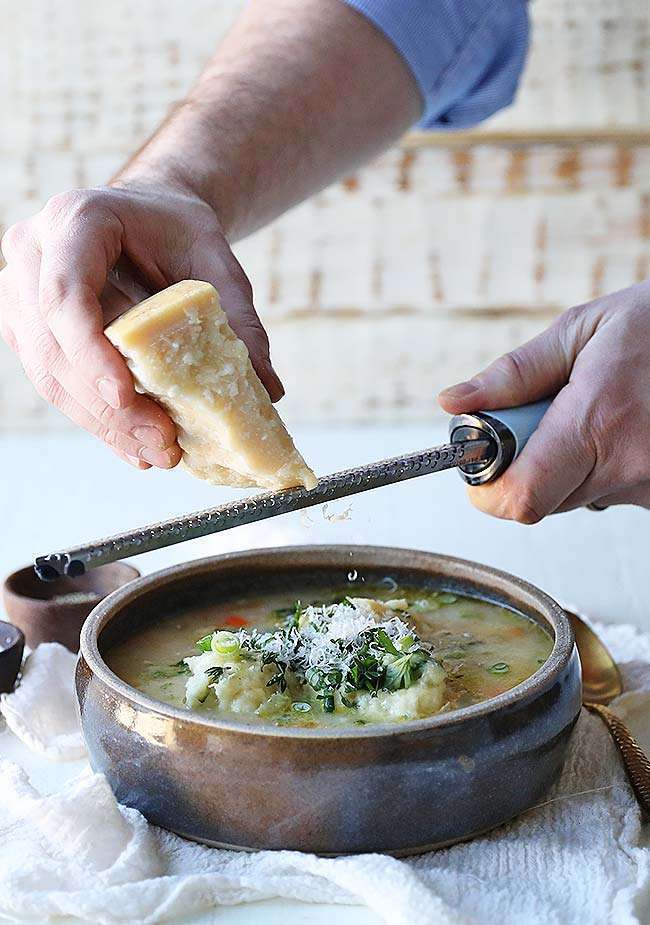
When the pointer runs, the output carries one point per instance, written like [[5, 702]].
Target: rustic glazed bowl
[[401, 789]]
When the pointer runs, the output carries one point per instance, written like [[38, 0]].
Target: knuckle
[[523, 505], [46, 385], [78, 354], [45, 349], [63, 205], [575, 314], [53, 292], [14, 238], [512, 366], [109, 435], [102, 412], [65, 213]]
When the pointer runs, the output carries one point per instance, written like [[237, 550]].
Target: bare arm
[[299, 92]]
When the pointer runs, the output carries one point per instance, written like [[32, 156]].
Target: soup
[[390, 656]]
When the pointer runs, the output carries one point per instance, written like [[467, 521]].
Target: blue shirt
[[466, 55]]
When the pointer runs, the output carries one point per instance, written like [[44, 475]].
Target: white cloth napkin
[[580, 856], [42, 711]]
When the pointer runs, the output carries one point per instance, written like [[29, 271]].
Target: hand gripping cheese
[[182, 351]]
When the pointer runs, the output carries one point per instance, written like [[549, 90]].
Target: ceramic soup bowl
[[399, 788]]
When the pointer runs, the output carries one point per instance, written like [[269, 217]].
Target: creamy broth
[[475, 651]]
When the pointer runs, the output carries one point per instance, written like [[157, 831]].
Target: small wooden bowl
[[55, 611], [12, 643]]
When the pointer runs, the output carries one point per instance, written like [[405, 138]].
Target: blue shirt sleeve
[[466, 55]]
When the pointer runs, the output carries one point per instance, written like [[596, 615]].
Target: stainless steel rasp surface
[[76, 561]]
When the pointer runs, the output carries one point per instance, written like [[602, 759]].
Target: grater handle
[[510, 428]]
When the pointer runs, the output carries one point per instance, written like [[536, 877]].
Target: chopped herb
[[289, 616], [205, 643], [337, 649], [386, 642], [182, 667], [215, 673], [446, 598], [278, 679], [499, 668], [405, 670], [328, 703]]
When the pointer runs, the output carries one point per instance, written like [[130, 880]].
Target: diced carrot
[[234, 620]]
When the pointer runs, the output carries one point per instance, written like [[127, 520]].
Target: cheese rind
[[182, 351]]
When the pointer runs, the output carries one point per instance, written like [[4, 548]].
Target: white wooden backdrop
[[407, 276]]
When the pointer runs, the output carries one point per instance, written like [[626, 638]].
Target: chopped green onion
[[406, 643], [205, 643], [446, 598], [224, 643], [499, 668], [301, 706]]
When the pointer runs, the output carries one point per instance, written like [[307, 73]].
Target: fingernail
[[461, 390], [157, 458], [109, 392], [150, 436]]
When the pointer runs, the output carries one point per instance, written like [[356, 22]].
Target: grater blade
[[74, 562]]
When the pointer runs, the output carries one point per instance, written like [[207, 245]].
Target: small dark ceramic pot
[[54, 611], [401, 789], [12, 644]]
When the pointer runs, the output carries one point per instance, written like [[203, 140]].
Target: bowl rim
[[18, 636], [11, 592], [546, 674]]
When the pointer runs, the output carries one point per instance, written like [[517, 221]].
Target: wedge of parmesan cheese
[[182, 351]]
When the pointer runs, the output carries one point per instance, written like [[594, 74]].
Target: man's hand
[[593, 444], [56, 297], [264, 126]]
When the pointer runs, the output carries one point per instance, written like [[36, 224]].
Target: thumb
[[537, 369]]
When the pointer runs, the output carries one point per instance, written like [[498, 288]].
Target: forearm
[[298, 93]]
